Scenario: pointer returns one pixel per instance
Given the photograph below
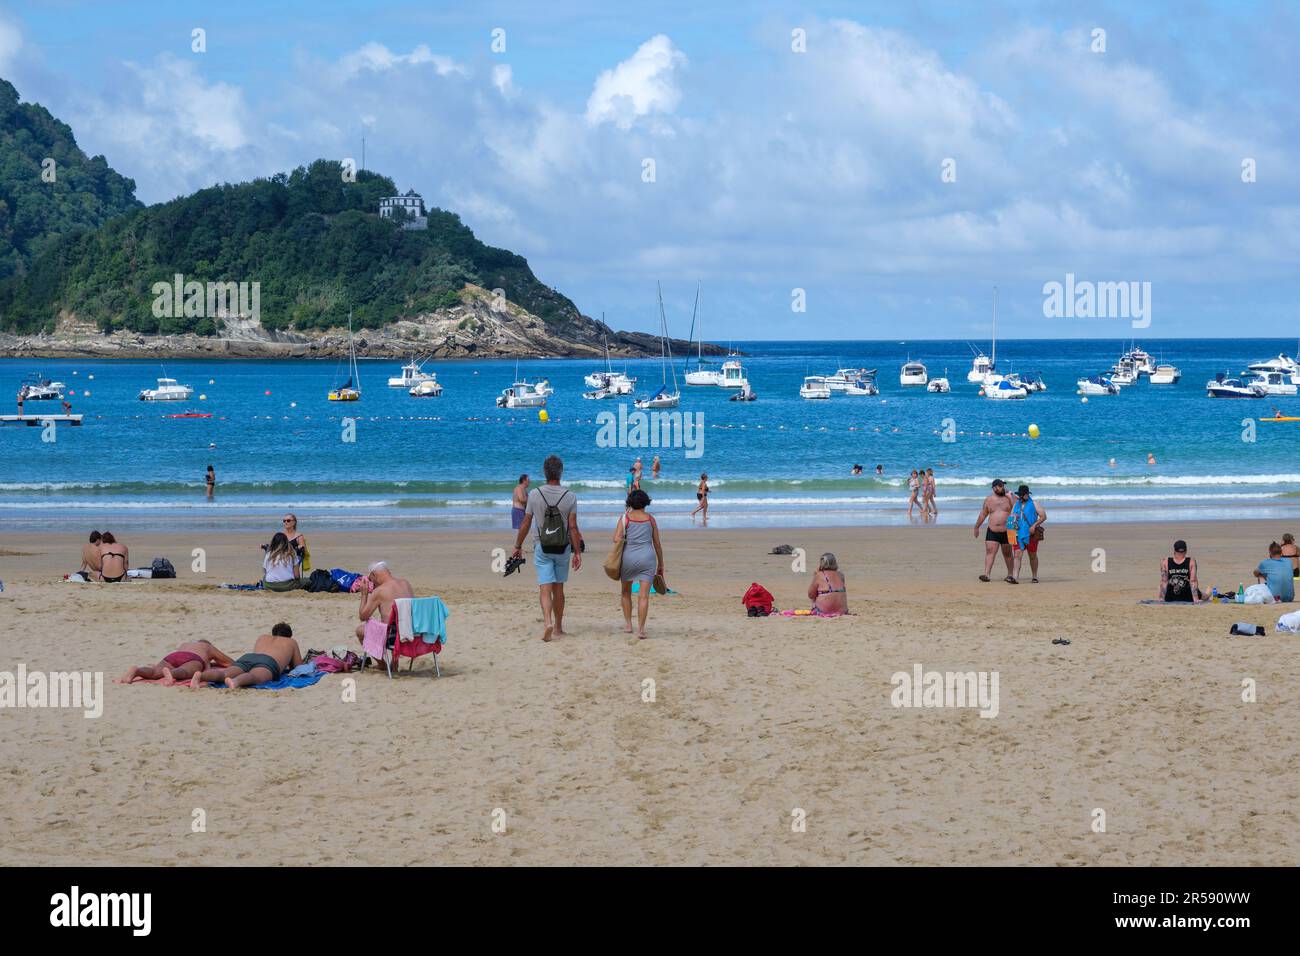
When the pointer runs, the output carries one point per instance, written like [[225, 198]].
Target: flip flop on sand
[[984, 577], [1033, 580], [1010, 580]]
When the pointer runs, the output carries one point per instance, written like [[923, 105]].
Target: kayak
[[1280, 418], [191, 415]]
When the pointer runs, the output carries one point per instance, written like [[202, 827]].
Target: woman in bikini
[[913, 486], [180, 665], [1291, 553], [702, 496], [297, 539], [828, 591], [114, 558]]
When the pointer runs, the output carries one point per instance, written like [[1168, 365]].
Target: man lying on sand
[[386, 589], [180, 665], [272, 655]]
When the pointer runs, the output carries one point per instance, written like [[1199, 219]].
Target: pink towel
[[376, 637]]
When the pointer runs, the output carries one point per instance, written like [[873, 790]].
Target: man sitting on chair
[[385, 589]]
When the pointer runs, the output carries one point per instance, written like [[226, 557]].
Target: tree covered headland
[[49, 188], [312, 238]]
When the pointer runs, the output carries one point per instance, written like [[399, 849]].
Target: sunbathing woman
[[273, 655], [828, 591], [180, 665], [114, 558]]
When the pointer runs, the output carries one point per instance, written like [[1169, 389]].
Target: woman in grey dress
[[643, 557]]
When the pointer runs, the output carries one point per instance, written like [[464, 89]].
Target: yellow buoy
[[1033, 431], [542, 416]]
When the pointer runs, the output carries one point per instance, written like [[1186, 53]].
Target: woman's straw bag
[[614, 560]]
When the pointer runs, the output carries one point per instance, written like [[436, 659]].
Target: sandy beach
[[1140, 716]]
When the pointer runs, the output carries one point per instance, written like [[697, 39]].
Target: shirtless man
[[386, 588], [997, 508], [90, 557], [519, 502], [273, 655], [180, 665]]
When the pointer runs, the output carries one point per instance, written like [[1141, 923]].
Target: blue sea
[[450, 462]]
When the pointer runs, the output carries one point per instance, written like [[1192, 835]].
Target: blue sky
[[775, 170]]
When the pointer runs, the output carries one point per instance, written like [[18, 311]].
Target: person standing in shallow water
[[519, 502], [211, 481]]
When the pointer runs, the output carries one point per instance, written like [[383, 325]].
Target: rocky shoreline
[[476, 328]]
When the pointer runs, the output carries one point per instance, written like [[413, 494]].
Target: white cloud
[[377, 58], [502, 79], [11, 41], [644, 83]]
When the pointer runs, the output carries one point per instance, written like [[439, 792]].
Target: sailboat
[[700, 375], [608, 384], [990, 376], [350, 390], [663, 398]]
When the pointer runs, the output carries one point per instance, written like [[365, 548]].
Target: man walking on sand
[[552, 515], [997, 508]]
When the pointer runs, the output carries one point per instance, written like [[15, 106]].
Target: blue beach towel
[[284, 683]]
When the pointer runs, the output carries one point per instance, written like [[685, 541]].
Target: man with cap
[[997, 508], [1178, 576], [1026, 521]]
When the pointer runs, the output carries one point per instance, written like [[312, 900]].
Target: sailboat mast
[[994, 364]]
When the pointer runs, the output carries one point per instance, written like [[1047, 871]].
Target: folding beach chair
[[395, 649]]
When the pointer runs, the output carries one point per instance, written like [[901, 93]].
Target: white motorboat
[[1165, 375], [664, 398], [864, 385], [412, 375], [616, 383], [939, 385], [1222, 387], [38, 388], [543, 387], [1097, 385], [1143, 364], [1280, 364], [913, 373], [980, 367], [844, 377], [702, 373], [1274, 383], [521, 395], [429, 388], [733, 374], [1034, 383], [1004, 390], [1124, 372], [168, 390], [814, 387]]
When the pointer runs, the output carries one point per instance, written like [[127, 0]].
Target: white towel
[[1289, 622], [405, 632]]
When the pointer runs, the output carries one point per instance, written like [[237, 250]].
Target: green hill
[[313, 241], [40, 202]]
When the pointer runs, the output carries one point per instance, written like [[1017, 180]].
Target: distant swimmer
[[857, 470], [1151, 459], [880, 469]]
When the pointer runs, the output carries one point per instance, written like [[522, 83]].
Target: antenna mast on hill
[[363, 152]]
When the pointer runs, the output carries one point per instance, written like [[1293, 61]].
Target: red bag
[[758, 601]]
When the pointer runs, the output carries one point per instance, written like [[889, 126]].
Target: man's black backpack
[[162, 568], [554, 532]]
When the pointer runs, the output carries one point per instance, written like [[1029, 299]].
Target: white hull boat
[[1004, 391], [521, 395], [1221, 387], [426, 389], [168, 390], [700, 375], [938, 385], [1165, 375], [411, 376], [913, 373], [1274, 383], [733, 374], [863, 386], [1098, 385], [814, 387], [664, 398]]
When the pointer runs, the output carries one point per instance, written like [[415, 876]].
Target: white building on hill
[[412, 204]]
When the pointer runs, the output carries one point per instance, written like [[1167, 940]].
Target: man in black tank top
[[1178, 576]]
